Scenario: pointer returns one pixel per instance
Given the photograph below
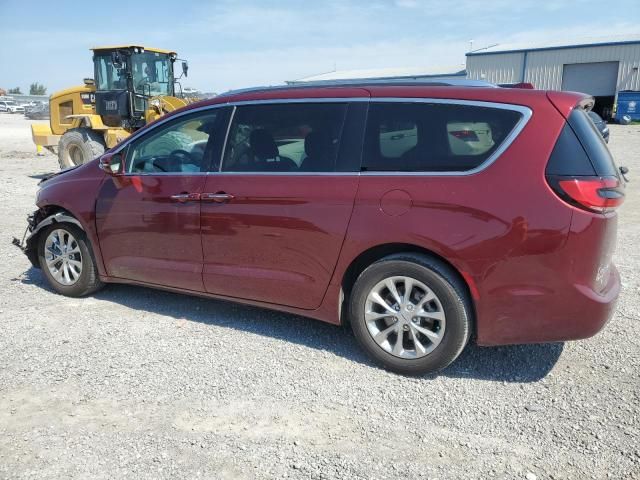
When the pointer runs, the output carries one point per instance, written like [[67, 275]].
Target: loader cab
[[126, 78]]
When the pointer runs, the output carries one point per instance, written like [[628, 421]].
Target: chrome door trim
[[526, 114]]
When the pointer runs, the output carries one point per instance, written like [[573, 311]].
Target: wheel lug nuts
[[406, 327]]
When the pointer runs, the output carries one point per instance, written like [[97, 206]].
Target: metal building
[[601, 67]]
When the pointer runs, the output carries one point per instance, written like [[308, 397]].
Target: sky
[[248, 43]]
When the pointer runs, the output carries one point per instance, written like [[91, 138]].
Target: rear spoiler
[[565, 102]]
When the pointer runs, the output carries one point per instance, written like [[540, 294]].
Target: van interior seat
[[266, 157], [319, 148]]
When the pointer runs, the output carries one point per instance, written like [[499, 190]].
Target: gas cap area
[[395, 203]]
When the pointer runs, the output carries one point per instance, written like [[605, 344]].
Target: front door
[[274, 217], [148, 219]]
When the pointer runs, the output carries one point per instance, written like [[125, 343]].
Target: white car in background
[[10, 106], [465, 138], [470, 138]]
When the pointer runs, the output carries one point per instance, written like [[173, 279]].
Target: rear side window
[[424, 137], [292, 137]]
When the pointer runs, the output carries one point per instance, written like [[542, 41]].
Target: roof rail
[[366, 83]]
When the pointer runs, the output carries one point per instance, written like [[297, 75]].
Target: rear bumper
[[577, 313]]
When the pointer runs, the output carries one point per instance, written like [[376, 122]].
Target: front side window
[[295, 137], [151, 73], [180, 146], [433, 137]]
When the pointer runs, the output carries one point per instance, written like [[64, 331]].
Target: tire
[[625, 120], [170, 142], [78, 146], [448, 318], [88, 280]]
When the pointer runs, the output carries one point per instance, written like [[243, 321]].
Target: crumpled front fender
[[30, 245]]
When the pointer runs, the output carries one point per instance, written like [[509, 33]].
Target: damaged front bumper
[[36, 222], [26, 244]]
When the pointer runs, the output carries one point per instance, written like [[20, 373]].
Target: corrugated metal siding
[[503, 68], [544, 68]]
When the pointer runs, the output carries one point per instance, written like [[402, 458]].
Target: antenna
[[471, 45]]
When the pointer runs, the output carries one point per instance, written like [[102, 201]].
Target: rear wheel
[[410, 313], [78, 146], [67, 261]]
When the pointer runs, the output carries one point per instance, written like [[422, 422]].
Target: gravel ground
[[138, 383]]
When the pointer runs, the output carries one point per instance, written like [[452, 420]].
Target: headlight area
[[35, 222]]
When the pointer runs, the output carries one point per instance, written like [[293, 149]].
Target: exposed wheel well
[[49, 210], [40, 215], [366, 258]]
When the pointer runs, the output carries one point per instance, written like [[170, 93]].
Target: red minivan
[[423, 215]]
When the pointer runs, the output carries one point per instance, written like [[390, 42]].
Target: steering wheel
[[154, 164], [181, 153]]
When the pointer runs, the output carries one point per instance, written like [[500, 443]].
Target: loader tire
[[169, 142], [78, 146]]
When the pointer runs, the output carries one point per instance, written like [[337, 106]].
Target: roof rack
[[366, 83]]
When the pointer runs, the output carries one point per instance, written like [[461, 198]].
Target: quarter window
[[181, 146], [293, 137], [433, 137]]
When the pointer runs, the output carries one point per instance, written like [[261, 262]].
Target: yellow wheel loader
[[132, 86]]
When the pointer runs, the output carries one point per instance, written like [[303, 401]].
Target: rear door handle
[[219, 197], [185, 197]]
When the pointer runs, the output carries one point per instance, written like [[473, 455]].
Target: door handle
[[185, 197], [219, 197]]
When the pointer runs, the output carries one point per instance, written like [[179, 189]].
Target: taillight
[[596, 194], [466, 135]]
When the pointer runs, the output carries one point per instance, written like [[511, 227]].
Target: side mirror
[[111, 163], [185, 68]]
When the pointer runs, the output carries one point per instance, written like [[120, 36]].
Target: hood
[[56, 174]]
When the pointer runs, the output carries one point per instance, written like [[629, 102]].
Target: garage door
[[597, 79]]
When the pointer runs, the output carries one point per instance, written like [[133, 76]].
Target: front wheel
[[411, 313], [67, 261]]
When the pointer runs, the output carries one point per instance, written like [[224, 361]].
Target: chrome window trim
[[526, 114], [293, 174]]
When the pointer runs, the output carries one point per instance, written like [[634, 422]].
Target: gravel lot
[[139, 383]]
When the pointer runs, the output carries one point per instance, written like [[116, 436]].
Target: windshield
[[151, 74], [107, 76]]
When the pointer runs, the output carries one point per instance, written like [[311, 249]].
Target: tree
[[3, 92], [37, 89], [15, 90]]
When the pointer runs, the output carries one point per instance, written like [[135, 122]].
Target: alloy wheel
[[404, 317], [63, 257]]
